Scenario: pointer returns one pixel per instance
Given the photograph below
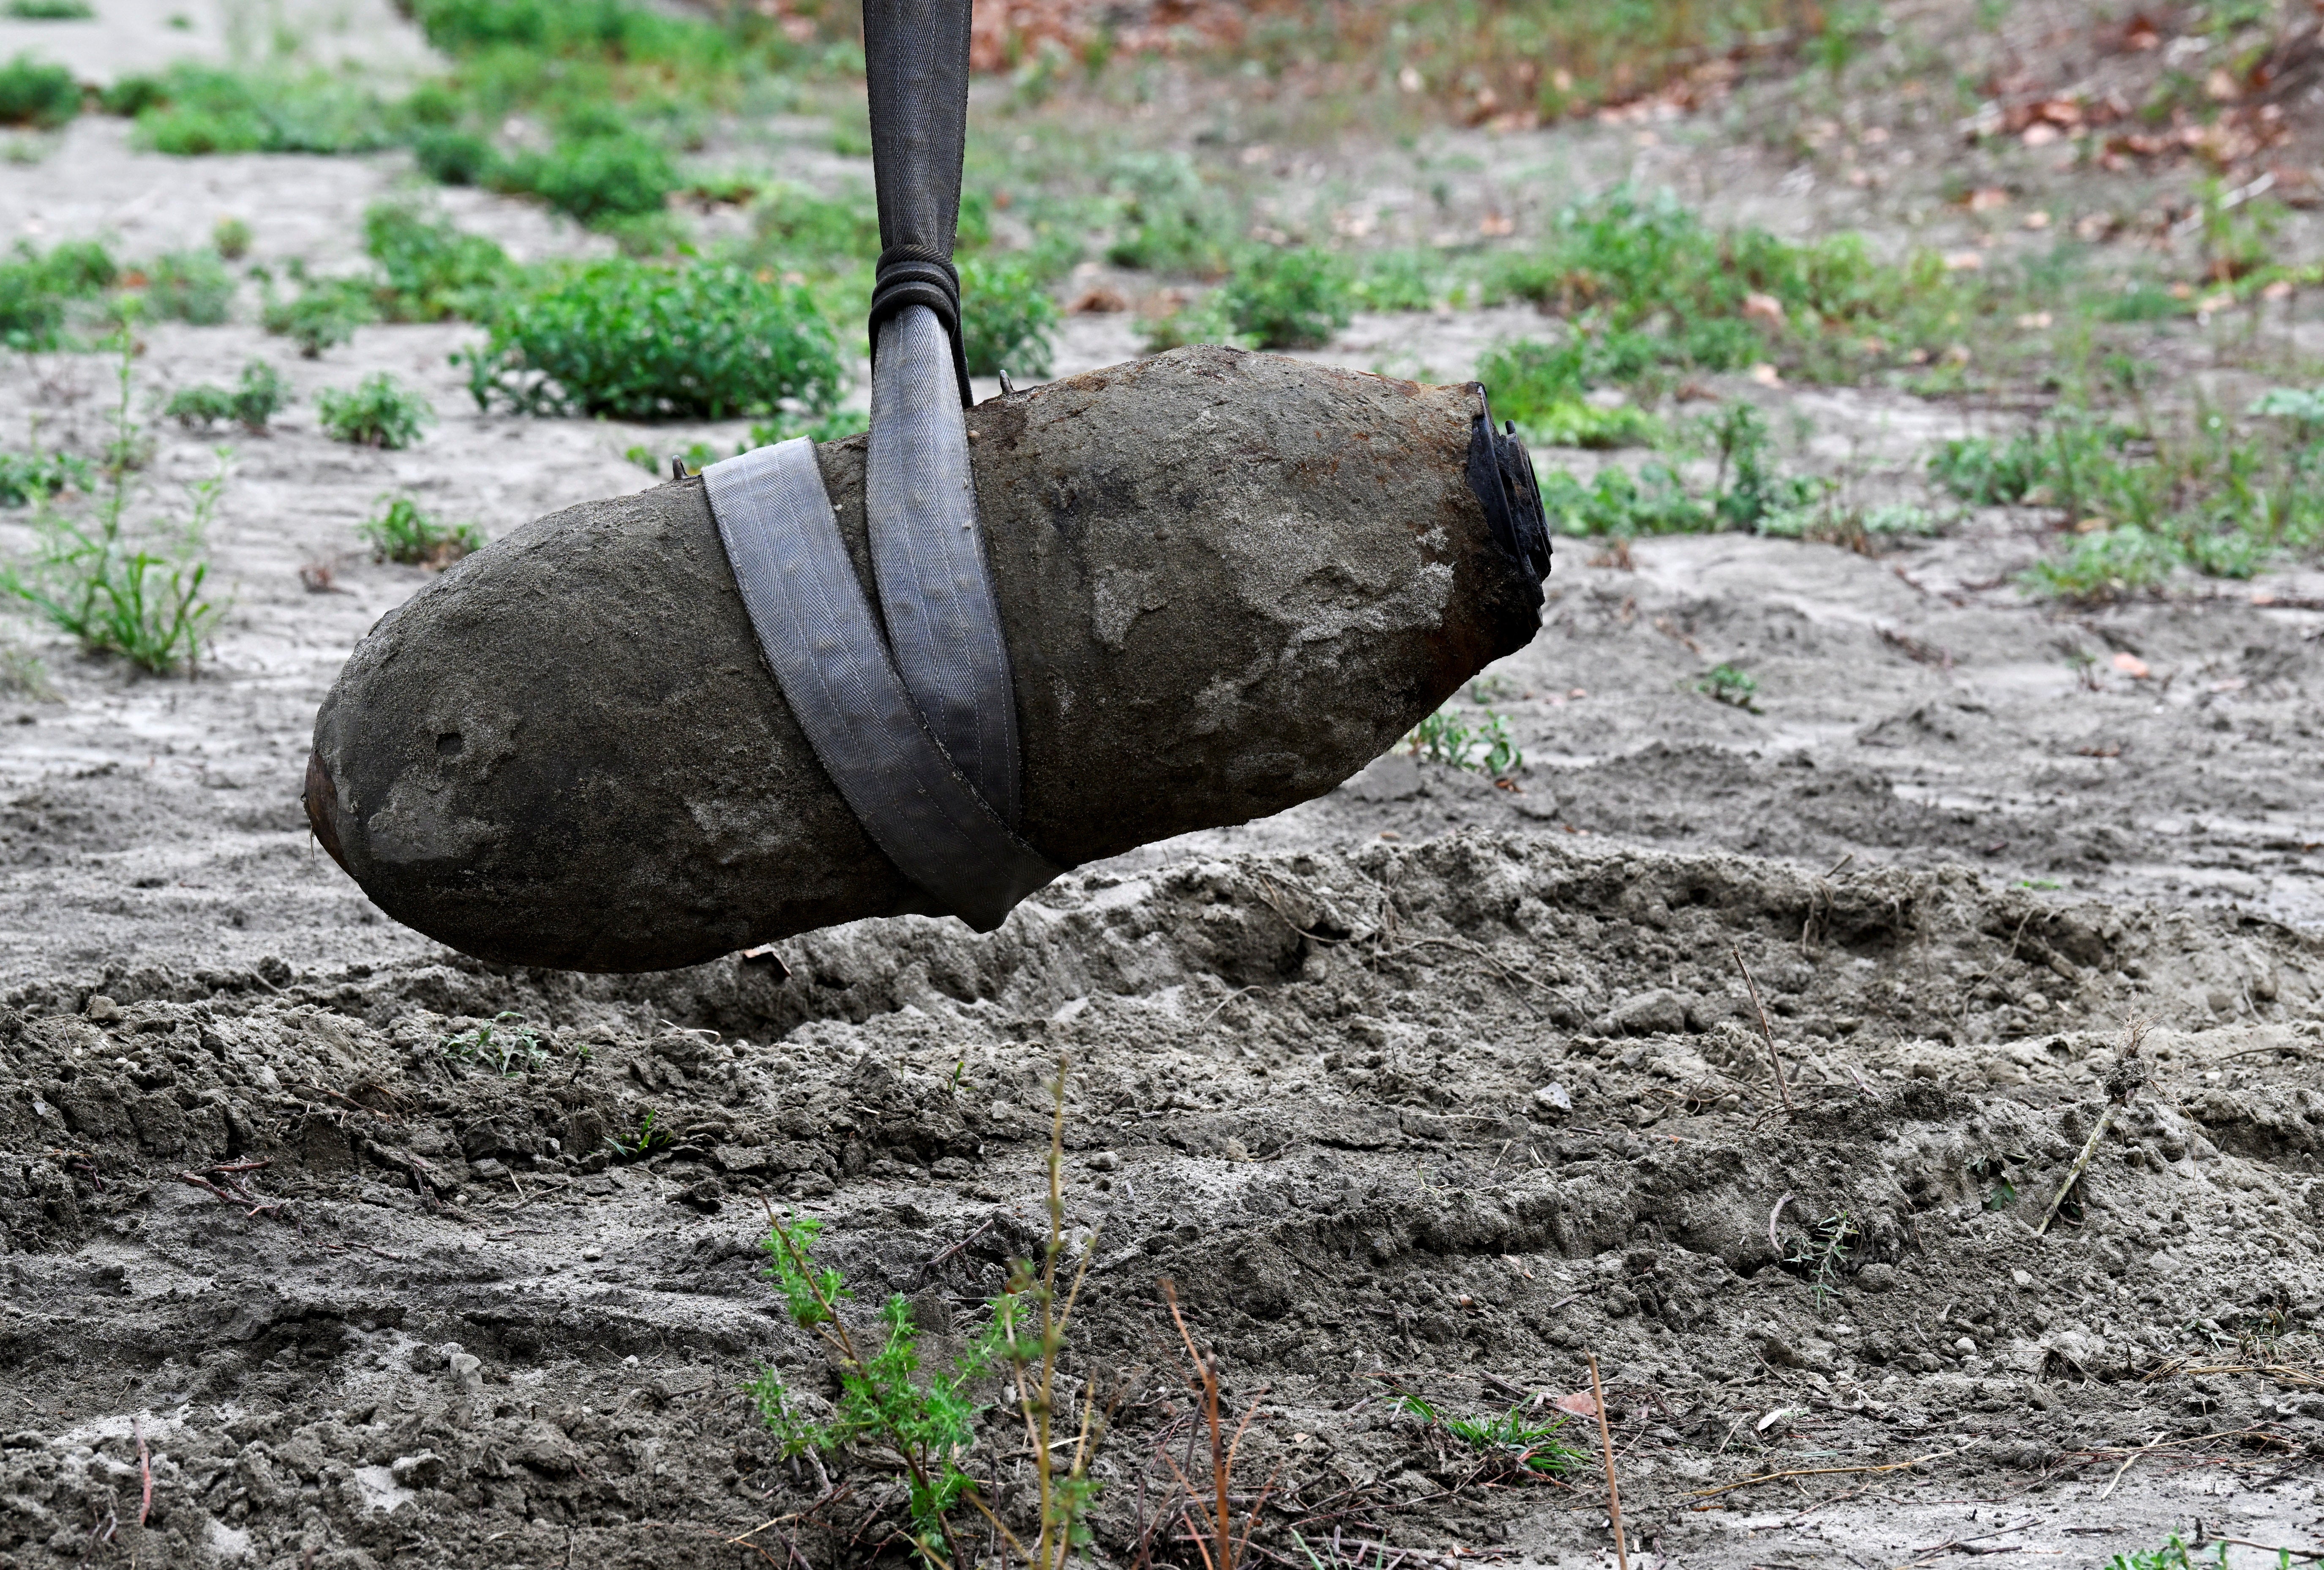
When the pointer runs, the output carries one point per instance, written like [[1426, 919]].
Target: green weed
[[230, 238], [1290, 297], [195, 110], [927, 1424], [696, 457], [2173, 1556], [1518, 1442], [504, 1045], [1704, 300], [52, 10], [651, 1136], [432, 272], [1617, 502], [27, 476], [131, 96], [2113, 564], [1545, 389], [1008, 319], [633, 340], [617, 174], [190, 286], [927, 1421], [451, 155], [1730, 684], [1747, 492], [1168, 217], [2145, 498], [822, 234], [1397, 280], [1446, 737], [38, 291], [1822, 1254], [377, 411], [402, 532], [323, 314], [136, 595], [262, 393], [34, 93]]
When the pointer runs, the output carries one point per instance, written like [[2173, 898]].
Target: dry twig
[[1606, 1445], [1217, 1513], [1825, 1472], [1766, 1031]]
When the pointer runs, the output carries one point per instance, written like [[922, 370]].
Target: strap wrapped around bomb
[[1174, 595]]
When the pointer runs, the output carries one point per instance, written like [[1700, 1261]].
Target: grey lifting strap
[[816, 631], [936, 593]]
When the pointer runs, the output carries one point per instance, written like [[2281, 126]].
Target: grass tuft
[[261, 394], [34, 93], [377, 411], [632, 340], [402, 533], [1446, 737]]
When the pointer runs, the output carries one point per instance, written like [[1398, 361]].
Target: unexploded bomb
[[1227, 582]]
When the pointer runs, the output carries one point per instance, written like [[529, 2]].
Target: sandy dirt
[[1424, 1086]]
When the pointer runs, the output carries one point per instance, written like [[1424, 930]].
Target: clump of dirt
[[353, 1285]]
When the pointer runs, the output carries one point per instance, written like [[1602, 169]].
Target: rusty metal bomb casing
[[1228, 581]]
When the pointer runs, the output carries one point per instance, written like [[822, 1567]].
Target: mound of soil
[[1440, 1120]]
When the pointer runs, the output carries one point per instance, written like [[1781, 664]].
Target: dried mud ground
[[1423, 1086]]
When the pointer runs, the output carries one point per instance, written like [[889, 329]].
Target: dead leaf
[[2130, 665], [1580, 1403]]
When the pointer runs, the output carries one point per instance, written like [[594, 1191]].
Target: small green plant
[[38, 291], [799, 228], [34, 93], [634, 340], [697, 456], [1822, 1254], [189, 286], [504, 1045], [617, 175], [454, 155], [323, 314], [1520, 1444], [1983, 473], [262, 393], [402, 533], [1730, 684], [2112, 564], [27, 476], [928, 1422], [1292, 297], [431, 271], [92, 577], [377, 411], [1168, 218], [230, 238], [1007, 317], [1748, 492], [1400, 280], [651, 1136], [1447, 738], [2174, 1555], [193, 110], [1545, 390], [51, 10]]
